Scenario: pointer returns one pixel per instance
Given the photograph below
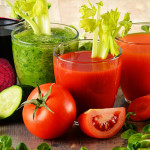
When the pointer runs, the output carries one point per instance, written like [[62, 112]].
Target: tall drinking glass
[[92, 82], [135, 75], [33, 54]]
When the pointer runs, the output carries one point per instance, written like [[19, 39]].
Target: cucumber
[[11, 98]]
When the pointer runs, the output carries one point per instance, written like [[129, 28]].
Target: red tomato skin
[[86, 125], [140, 106], [47, 125]]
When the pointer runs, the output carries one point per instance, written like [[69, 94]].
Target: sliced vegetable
[[105, 28], [49, 112], [11, 98], [7, 75], [102, 123], [140, 107]]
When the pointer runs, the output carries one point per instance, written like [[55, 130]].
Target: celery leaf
[[105, 27]]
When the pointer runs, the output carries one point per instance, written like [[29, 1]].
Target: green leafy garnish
[[105, 28], [128, 125], [128, 133], [5, 142], [143, 144], [145, 28], [44, 146], [35, 12], [136, 141], [83, 148], [21, 146], [146, 129]]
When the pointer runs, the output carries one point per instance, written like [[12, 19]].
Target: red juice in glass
[[92, 82], [135, 75]]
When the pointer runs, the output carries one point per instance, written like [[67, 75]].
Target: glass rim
[[136, 43], [97, 61], [46, 43], [10, 24]]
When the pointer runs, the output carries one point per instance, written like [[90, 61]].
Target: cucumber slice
[[10, 100]]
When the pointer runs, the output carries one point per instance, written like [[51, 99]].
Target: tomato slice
[[102, 123], [140, 106]]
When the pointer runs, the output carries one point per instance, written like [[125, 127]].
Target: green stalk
[[103, 46], [95, 38], [43, 24], [29, 20]]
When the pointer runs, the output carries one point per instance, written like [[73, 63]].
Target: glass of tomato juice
[[93, 83], [135, 75]]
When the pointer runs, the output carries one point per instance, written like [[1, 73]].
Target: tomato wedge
[[140, 106], [102, 123]]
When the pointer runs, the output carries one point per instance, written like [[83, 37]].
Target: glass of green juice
[[33, 54]]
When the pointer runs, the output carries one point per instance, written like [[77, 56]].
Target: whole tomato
[[53, 117], [141, 107]]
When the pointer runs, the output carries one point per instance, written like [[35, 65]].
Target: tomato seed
[[106, 125]]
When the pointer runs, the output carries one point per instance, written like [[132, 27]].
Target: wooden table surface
[[72, 140], [67, 12]]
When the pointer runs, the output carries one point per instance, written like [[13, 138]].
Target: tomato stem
[[40, 101]]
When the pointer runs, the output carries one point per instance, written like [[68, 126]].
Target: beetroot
[[7, 74]]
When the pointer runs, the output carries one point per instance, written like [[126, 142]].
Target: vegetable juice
[[33, 53], [92, 82], [135, 76]]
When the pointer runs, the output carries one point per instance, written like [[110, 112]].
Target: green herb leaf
[[44, 146], [128, 133], [128, 125], [126, 23], [89, 25], [146, 129], [49, 5], [5, 142], [145, 28], [143, 144], [130, 146], [21, 146], [87, 12], [83, 148], [133, 139]]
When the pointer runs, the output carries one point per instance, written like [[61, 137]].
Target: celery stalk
[[105, 28], [95, 39], [35, 12]]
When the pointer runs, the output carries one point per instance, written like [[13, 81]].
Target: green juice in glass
[[33, 54]]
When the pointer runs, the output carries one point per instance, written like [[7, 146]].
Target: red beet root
[[7, 75]]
